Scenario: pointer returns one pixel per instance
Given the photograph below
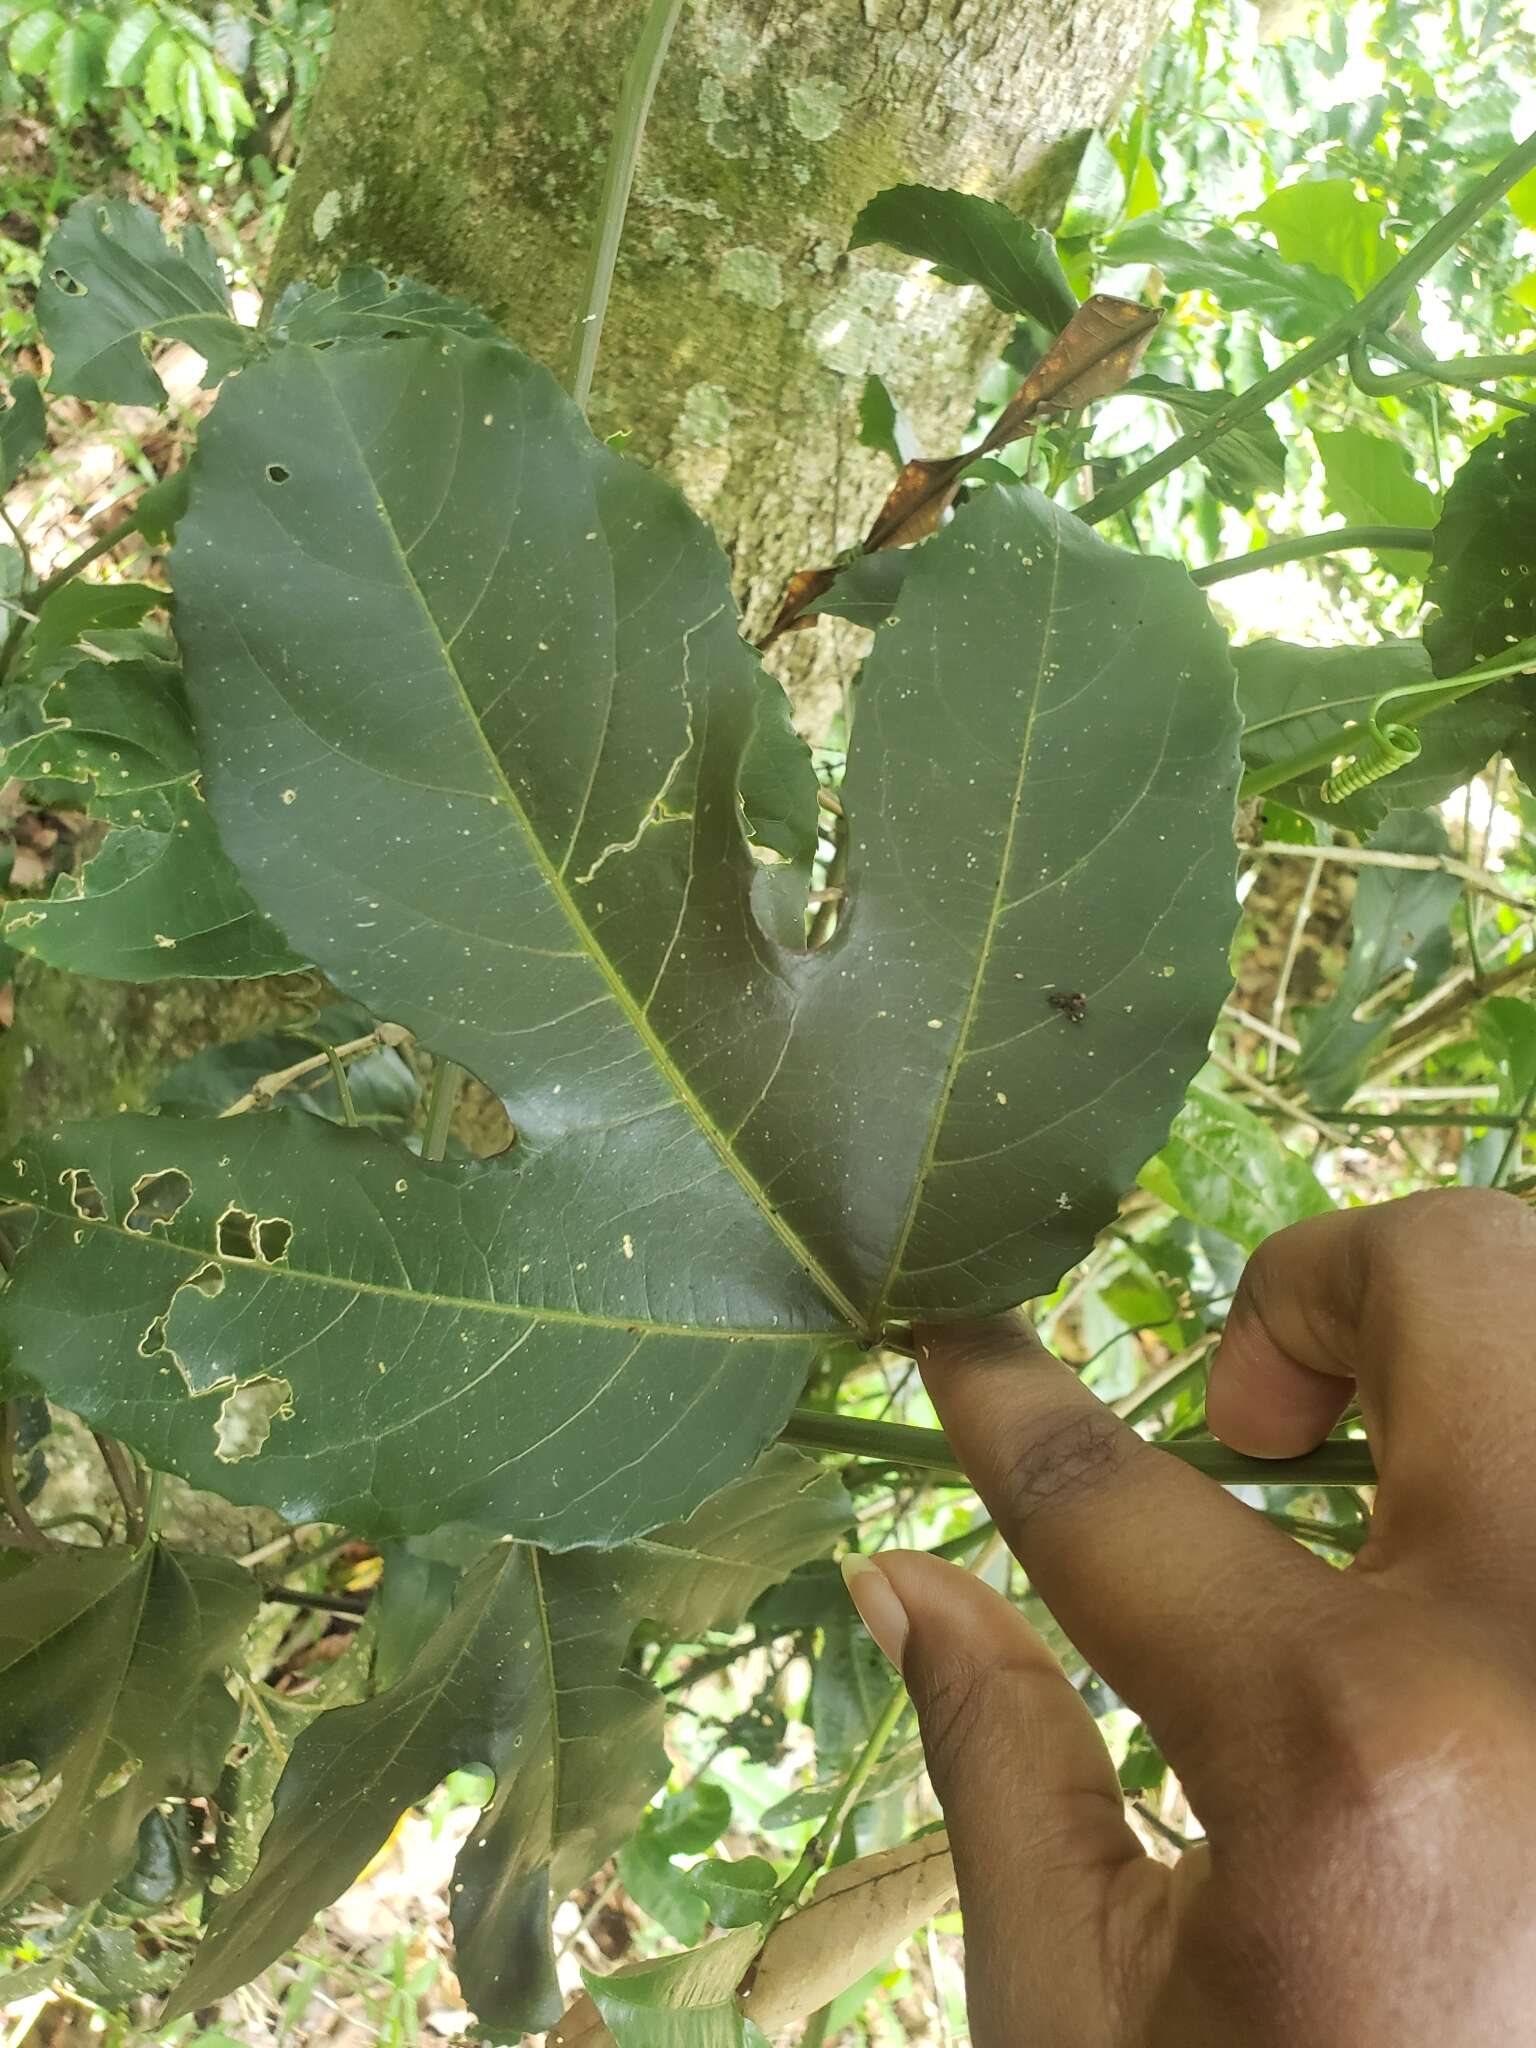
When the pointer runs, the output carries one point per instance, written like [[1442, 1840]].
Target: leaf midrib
[[632, 1010], [984, 951], [304, 1275]]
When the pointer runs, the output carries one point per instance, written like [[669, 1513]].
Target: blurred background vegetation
[[1380, 1036]]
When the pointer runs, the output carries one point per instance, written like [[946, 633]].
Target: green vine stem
[[1345, 1463], [338, 1069], [1520, 659], [103, 545], [1510, 1155], [24, 614], [120, 1467], [1408, 1120], [1337, 540], [446, 1079], [28, 1535], [635, 96], [1419, 367], [1376, 310], [819, 1848]]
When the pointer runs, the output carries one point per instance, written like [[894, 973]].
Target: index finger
[[1195, 1609], [1427, 1308]]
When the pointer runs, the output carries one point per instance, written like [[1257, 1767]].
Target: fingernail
[[879, 1609]]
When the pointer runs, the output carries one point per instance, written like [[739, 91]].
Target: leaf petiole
[[819, 1848], [1342, 1463]]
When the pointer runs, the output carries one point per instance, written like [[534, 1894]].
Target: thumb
[[1034, 1809]]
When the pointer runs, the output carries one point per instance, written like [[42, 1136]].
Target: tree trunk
[[463, 141]]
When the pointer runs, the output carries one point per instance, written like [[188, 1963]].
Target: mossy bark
[[463, 141]]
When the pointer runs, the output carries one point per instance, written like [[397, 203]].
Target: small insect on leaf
[[1073, 1004]]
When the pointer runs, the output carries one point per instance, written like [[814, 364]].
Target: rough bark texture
[[464, 141]]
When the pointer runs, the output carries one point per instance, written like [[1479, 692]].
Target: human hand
[[1360, 1745]]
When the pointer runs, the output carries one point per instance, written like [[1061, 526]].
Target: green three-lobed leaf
[[506, 684], [480, 734]]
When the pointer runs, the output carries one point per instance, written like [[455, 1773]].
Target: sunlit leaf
[[33, 39], [1370, 480], [1324, 222], [1240, 272], [74, 70], [1225, 1168], [129, 44]]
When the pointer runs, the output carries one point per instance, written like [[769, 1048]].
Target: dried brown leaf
[[856, 1918], [802, 591], [919, 498], [1096, 354], [859, 1914]]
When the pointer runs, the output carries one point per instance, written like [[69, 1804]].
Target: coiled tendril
[[1381, 751]]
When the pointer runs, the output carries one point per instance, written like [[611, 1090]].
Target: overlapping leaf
[[113, 282], [1249, 458], [365, 305], [1371, 480], [23, 429], [478, 728], [1482, 574], [524, 1678], [159, 898], [112, 1681], [1294, 697], [1224, 1167], [439, 1345], [1323, 222], [971, 240], [1400, 919], [1240, 272], [686, 2001], [385, 1091]]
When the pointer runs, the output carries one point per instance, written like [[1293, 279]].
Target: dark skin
[[1360, 1745]]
